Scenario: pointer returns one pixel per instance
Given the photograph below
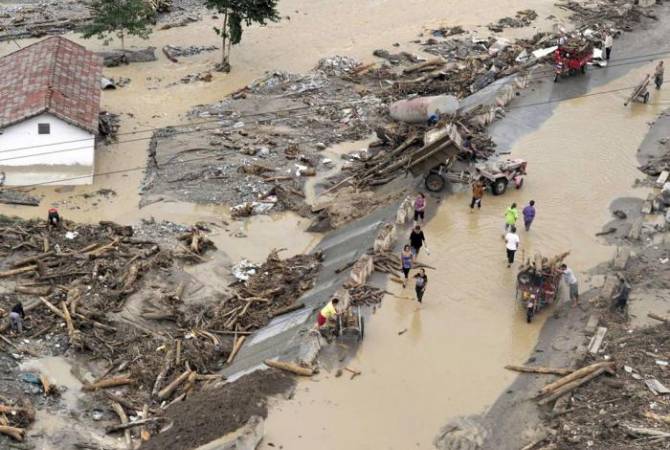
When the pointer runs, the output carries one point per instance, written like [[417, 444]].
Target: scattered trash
[[244, 269]]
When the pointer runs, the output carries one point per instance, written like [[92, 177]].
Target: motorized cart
[[538, 283], [495, 174], [572, 58], [439, 161]]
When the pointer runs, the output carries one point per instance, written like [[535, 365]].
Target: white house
[[49, 106]]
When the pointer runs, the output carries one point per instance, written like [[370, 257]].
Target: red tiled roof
[[54, 75]]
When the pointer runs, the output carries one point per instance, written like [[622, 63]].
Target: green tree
[[237, 13], [119, 18]]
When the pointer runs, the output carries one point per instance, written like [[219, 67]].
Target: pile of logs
[[60, 261], [365, 295], [273, 290]]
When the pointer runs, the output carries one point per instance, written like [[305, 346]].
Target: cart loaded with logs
[[538, 283]]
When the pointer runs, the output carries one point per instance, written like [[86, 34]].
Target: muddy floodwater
[[318, 28], [422, 366]]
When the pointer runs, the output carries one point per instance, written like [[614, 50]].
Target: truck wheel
[[435, 182], [499, 186], [646, 97]]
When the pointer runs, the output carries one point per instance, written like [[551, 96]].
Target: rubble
[[599, 14], [174, 51], [108, 125], [520, 20], [617, 399], [75, 282], [113, 58]]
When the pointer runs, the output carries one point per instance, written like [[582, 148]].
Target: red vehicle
[[538, 283], [572, 58]]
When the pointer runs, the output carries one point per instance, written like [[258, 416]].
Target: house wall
[[44, 158]]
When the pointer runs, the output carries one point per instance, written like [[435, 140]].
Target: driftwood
[[290, 367], [573, 385], [108, 383], [540, 370], [288, 309], [236, 348], [124, 420], [13, 272], [584, 371], [125, 426], [13, 432], [46, 385], [167, 365], [144, 433], [170, 388]]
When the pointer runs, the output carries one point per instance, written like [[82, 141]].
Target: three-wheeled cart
[[572, 58], [538, 283]]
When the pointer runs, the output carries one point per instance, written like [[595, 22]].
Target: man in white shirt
[[608, 42], [571, 281], [511, 245]]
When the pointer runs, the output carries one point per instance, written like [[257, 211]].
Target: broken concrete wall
[[361, 271], [385, 239]]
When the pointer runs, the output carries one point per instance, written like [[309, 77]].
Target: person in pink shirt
[[419, 207]]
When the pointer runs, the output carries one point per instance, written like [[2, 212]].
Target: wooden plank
[[597, 340]]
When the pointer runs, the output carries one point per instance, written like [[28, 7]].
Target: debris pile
[[108, 126], [172, 52], [271, 290], [365, 295], [626, 409], [15, 419], [619, 14], [520, 20], [40, 19]]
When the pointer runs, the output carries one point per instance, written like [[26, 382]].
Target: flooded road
[[449, 360]]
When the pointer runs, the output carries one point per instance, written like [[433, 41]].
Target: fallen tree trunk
[[290, 367], [584, 371], [107, 383], [541, 370]]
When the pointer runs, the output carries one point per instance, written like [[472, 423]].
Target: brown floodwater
[[449, 360]]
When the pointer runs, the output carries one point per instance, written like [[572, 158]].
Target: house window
[[43, 128]]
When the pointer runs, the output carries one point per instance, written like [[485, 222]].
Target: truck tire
[[499, 186], [435, 182], [646, 97]]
